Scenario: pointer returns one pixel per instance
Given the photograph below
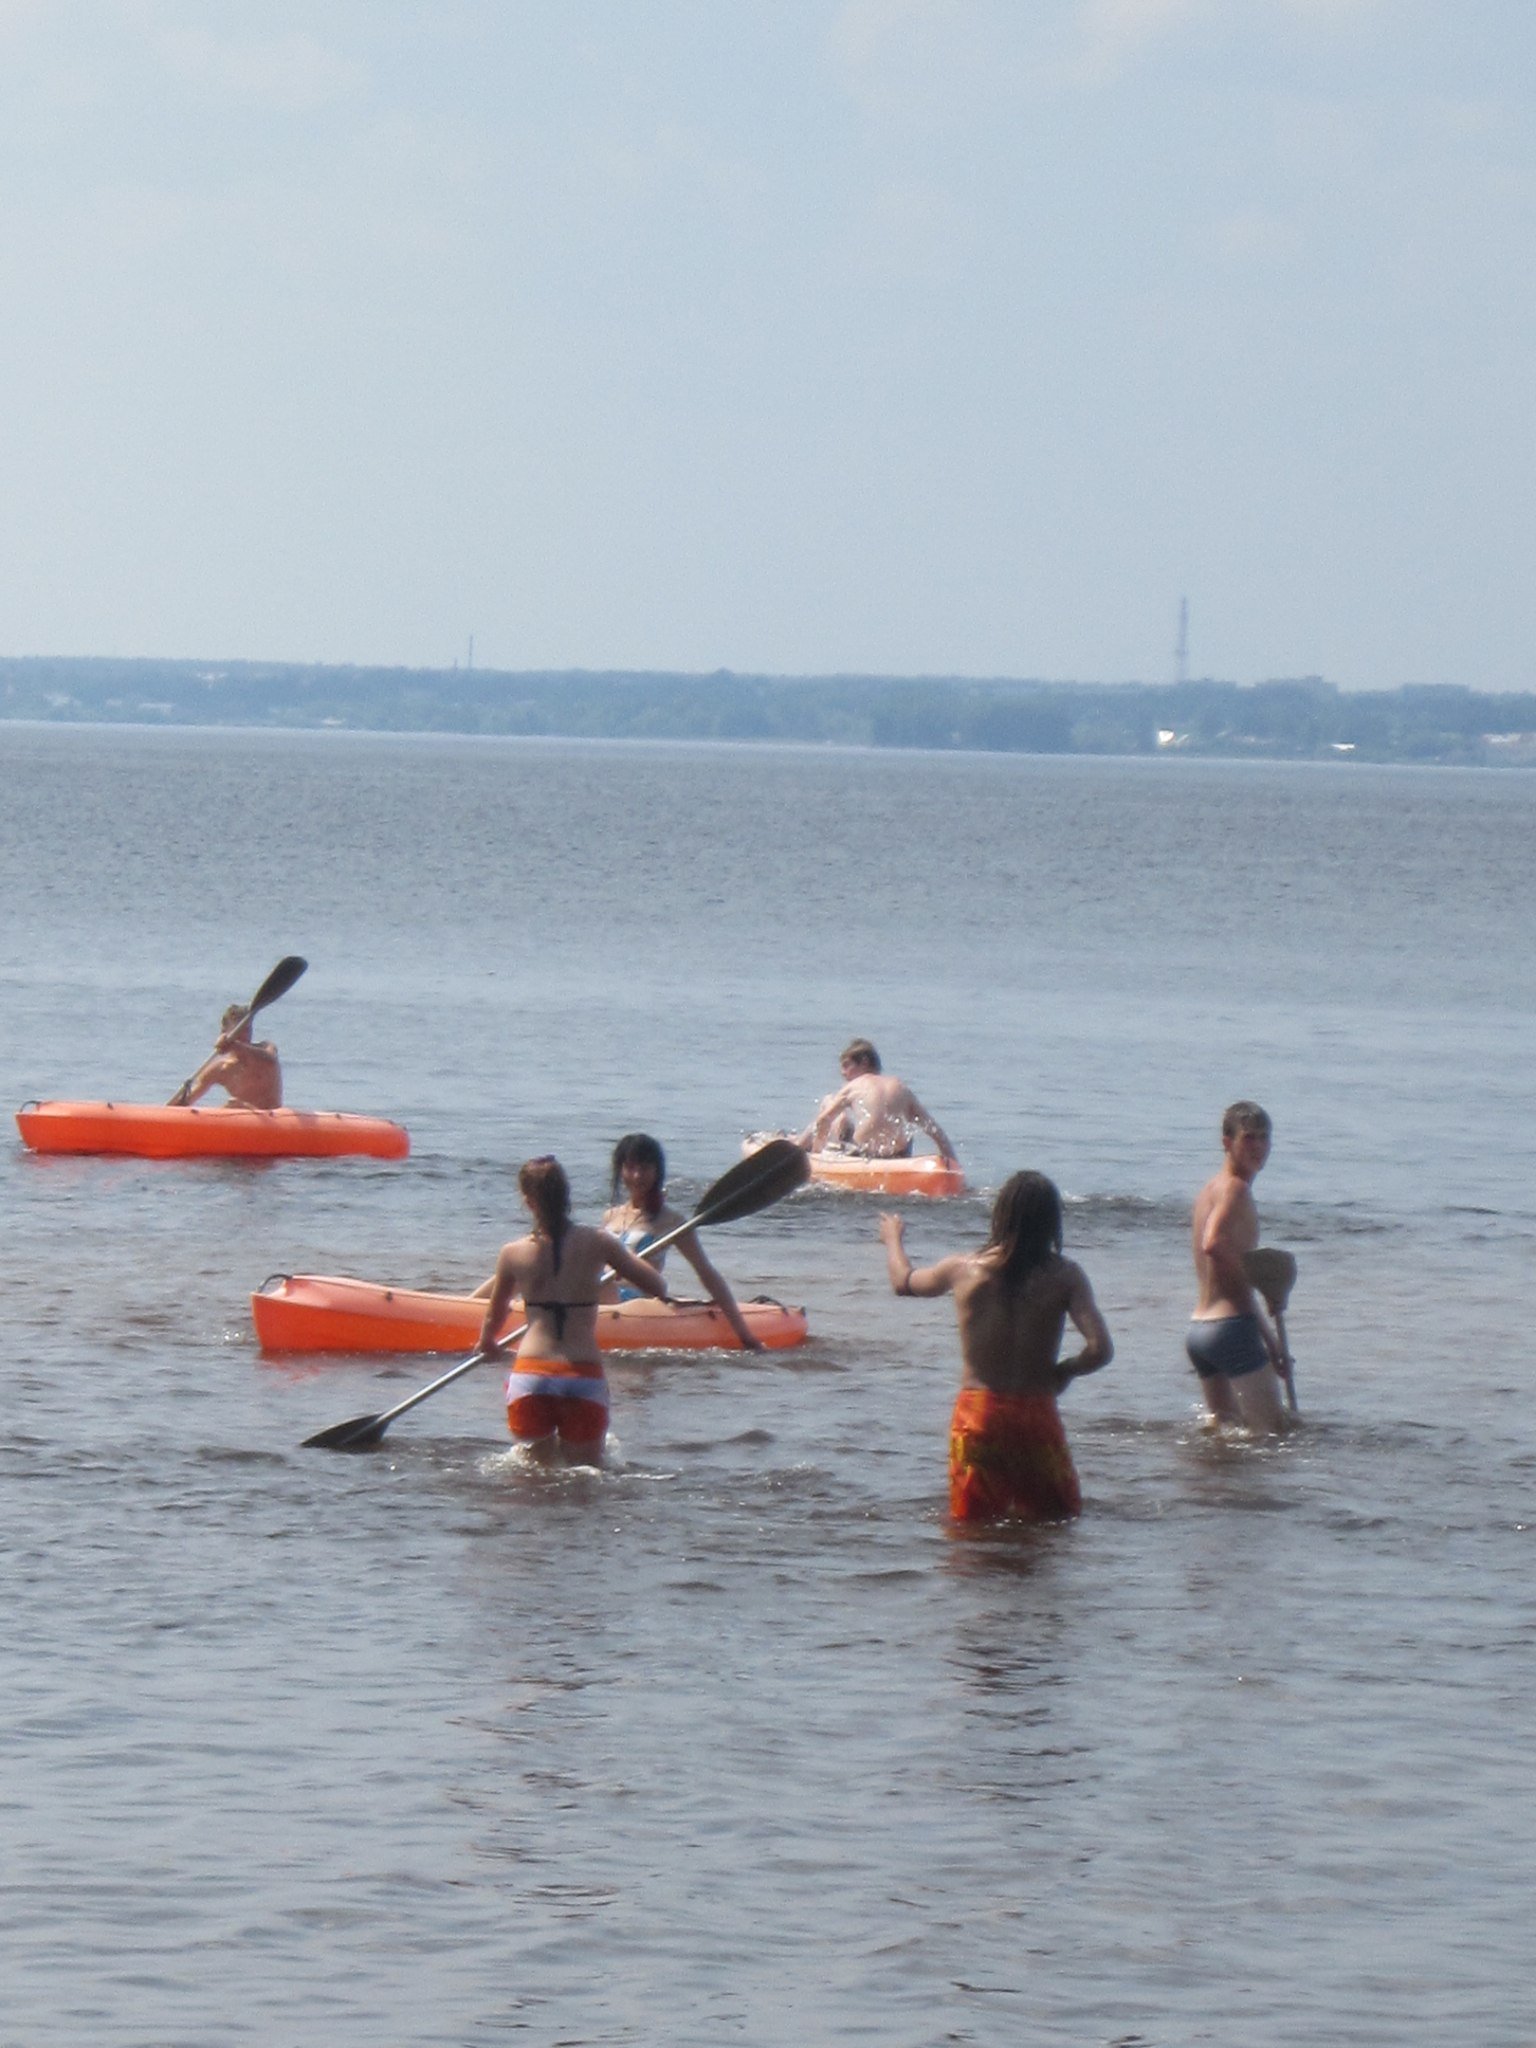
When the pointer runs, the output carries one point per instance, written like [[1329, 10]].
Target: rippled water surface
[[738, 1741]]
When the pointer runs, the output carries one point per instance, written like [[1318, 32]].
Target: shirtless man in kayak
[[1230, 1342], [246, 1070], [1008, 1452], [872, 1113]]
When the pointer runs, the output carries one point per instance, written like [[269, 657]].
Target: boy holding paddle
[[1232, 1347]]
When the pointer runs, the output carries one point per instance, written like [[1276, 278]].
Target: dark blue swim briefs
[[1226, 1345]]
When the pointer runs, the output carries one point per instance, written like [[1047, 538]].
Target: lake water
[[739, 1741]]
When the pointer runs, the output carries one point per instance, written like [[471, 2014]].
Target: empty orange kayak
[[157, 1131], [326, 1312], [917, 1174]]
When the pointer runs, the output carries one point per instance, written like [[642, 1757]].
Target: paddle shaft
[[720, 1203], [1287, 1363]]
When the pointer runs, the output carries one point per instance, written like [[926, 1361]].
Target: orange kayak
[[924, 1174], [157, 1131], [917, 1174], [326, 1312]]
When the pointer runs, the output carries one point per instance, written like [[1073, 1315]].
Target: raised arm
[[1098, 1346], [714, 1283], [907, 1278]]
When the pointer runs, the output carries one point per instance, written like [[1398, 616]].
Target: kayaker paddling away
[[873, 1113], [861, 1137]]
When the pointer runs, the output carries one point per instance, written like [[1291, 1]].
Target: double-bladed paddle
[[1273, 1272], [753, 1183], [277, 983]]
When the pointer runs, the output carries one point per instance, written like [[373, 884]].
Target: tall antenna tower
[[1181, 652]]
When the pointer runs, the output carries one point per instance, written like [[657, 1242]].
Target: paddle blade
[[364, 1431], [278, 982], [360, 1434], [1273, 1272], [756, 1182]]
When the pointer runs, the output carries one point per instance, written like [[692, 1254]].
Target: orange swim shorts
[[550, 1397], [1008, 1456]]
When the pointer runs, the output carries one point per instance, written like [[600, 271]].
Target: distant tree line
[[1307, 719]]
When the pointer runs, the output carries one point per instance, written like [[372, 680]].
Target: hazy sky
[[912, 336]]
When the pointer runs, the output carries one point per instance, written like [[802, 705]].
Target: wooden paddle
[[1274, 1274], [277, 983], [753, 1183]]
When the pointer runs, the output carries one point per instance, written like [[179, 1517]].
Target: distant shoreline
[[1303, 720]]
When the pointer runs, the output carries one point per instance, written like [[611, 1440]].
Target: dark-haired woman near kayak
[[557, 1392], [640, 1170]]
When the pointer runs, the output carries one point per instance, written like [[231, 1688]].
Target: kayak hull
[[327, 1312], [159, 1131], [917, 1174], [923, 1175]]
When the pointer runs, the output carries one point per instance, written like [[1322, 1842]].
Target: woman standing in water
[[557, 1391], [640, 1169]]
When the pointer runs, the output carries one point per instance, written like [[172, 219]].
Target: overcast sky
[[892, 336]]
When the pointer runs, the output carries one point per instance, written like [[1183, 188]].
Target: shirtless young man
[[872, 1112], [247, 1072], [1230, 1342], [1008, 1452]]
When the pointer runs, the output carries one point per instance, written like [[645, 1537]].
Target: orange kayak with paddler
[[148, 1130], [914, 1173]]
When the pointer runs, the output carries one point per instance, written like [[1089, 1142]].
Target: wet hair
[[1246, 1116], [860, 1049], [547, 1192], [1026, 1225], [638, 1148], [234, 1015]]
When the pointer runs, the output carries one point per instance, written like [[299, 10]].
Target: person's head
[[858, 1056], [640, 1168], [1246, 1134], [234, 1016], [544, 1187], [1026, 1225], [1245, 1116]]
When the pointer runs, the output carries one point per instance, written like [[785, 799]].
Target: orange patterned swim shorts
[[1008, 1456], [550, 1398]]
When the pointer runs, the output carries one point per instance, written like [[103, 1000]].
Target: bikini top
[[636, 1239]]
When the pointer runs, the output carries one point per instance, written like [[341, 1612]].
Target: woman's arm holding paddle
[[638, 1272], [498, 1293]]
